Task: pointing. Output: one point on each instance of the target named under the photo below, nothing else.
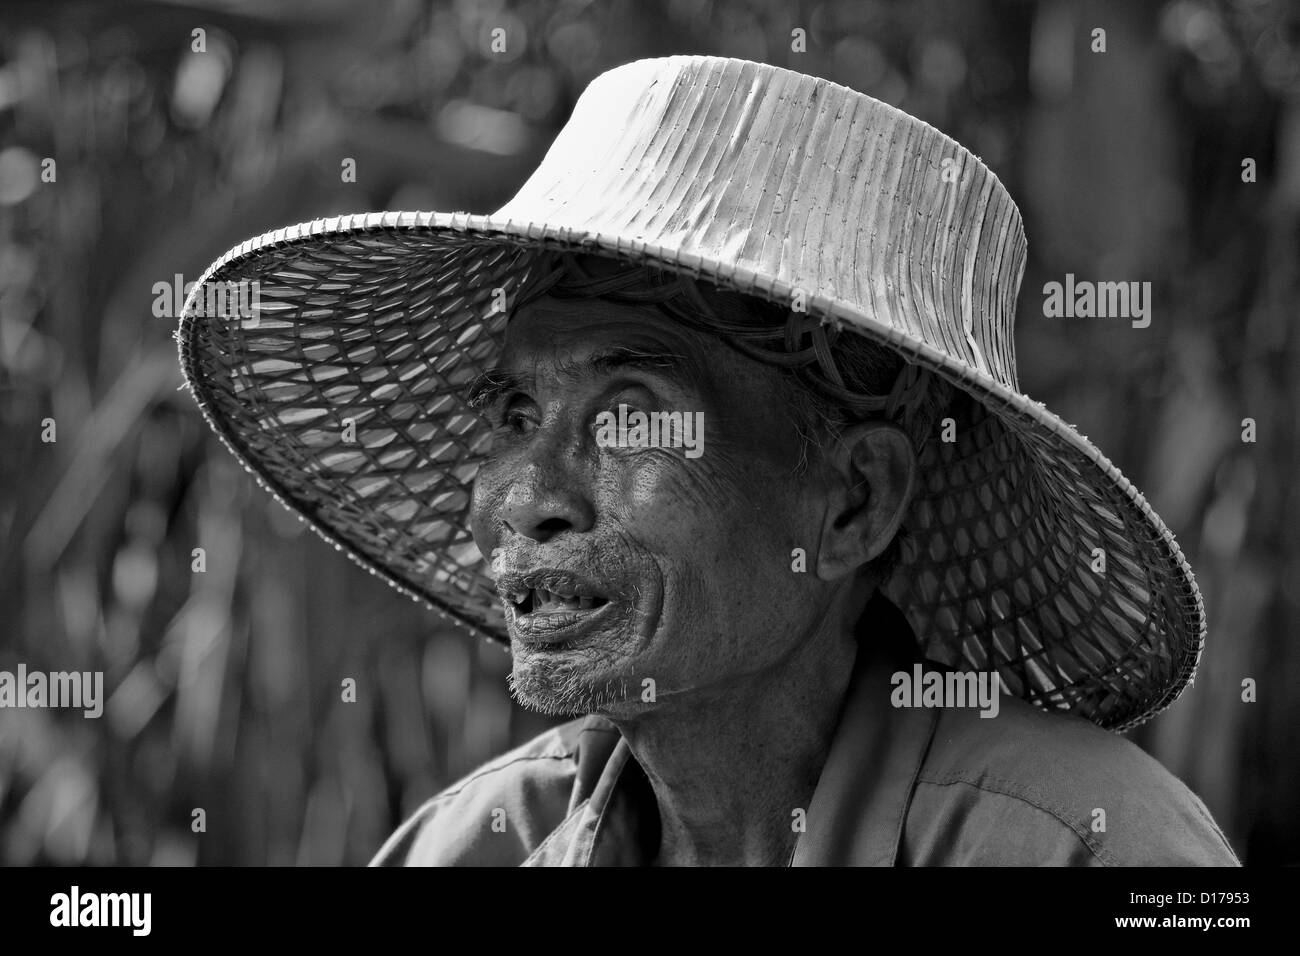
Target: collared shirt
(938, 786)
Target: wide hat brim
(345, 395)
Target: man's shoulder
(498, 813)
(1029, 786)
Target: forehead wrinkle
(656, 343)
(682, 366)
(665, 363)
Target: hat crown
(817, 189)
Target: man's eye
(517, 420)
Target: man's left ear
(873, 478)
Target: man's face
(638, 564)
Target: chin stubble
(557, 688)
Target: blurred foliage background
(224, 687)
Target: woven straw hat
(757, 180)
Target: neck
(730, 765)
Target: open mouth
(551, 605)
(544, 601)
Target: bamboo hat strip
(757, 180)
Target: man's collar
(858, 809)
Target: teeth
(543, 599)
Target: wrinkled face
(630, 573)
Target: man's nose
(547, 498)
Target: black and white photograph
(701, 433)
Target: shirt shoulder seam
(1096, 851)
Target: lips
(550, 603)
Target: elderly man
(787, 630)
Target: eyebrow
(488, 387)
